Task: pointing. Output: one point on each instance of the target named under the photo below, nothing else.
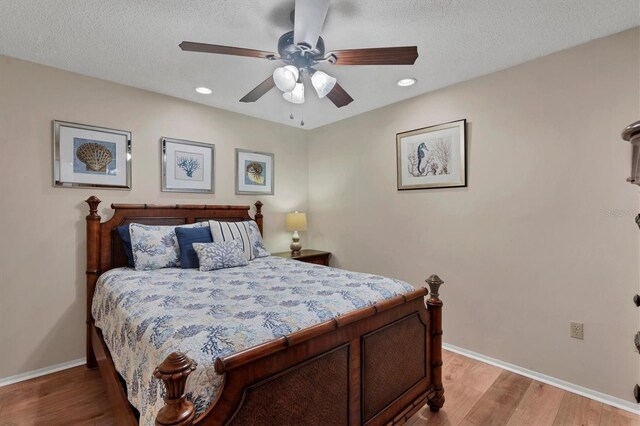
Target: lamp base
(295, 245)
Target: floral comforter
(146, 315)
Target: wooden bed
(375, 365)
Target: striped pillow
(227, 231)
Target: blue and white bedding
(146, 315)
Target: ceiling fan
(301, 50)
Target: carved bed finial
(174, 371)
(258, 216)
(93, 202)
(434, 305)
(434, 282)
(93, 268)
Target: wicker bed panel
(393, 360)
(299, 395)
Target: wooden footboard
(377, 365)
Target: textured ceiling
(135, 42)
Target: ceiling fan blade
(339, 96)
(191, 46)
(405, 55)
(259, 90)
(308, 21)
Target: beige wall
(543, 235)
(42, 284)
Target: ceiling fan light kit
(301, 50)
(286, 77)
(296, 96)
(323, 83)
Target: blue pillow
(186, 238)
(126, 243)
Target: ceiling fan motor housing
(302, 55)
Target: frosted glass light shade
(295, 96)
(296, 221)
(323, 83)
(286, 77)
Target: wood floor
(476, 394)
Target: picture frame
(187, 166)
(432, 157)
(254, 172)
(86, 156)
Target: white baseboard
(553, 381)
(40, 372)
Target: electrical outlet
(577, 330)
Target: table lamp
(296, 222)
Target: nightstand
(309, 256)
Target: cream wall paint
(42, 281)
(544, 233)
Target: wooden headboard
(103, 241)
(104, 247)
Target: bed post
(258, 216)
(93, 268)
(174, 371)
(434, 304)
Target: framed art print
(187, 166)
(254, 172)
(90, 156)
(432, 157)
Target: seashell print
(95, 156)
(255, 173)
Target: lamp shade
(286, 77)
(323, 83)
(296, 96)
(296, 221)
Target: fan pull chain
(302, 115)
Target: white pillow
(156, 247)
(227, 231)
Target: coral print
(219, 255)
(189, 166)
(155, 247)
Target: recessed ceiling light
(407, 82)
(203, 90)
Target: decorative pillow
(219, 255)
(257, 245)
(156, 247)
(123, 231)
(227, 231)
(188, 236)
